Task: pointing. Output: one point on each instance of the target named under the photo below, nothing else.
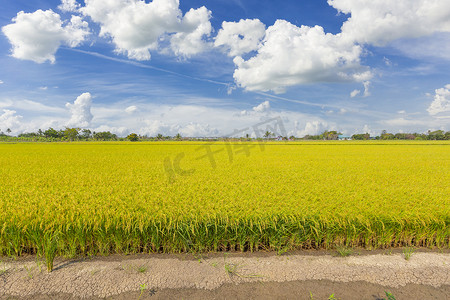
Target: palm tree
(178, 137)
(159, 136)
(267, 134)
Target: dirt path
(423, 276)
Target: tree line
(67, 134)
(430, 135)
(78, 134)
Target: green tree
(436, 135)
(105, 136)
(52, 133)
(268, 134)
(85, 134)
(364, 136)
(133, 137)
(71, 133)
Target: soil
(426, 275)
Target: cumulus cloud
(37, 36)
(121, 131)
(1, 82)
(441, 102)
(380, 22)
(190, 129)
(81, 111)
(291, 55)
(241, 37)
(194, 27)
(313, 128)
(69, 6)
(9, 119)
(136, 27)
(355, 93)
(196, 130)
(265, 106)
(131, 109)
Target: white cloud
(37, 36)
(313, 128)
(265, 106)
(69, 6)
(366, 129)
(380, 22)
(240, 37)
(81, 111)
(131, 109)
(121, 131)
(196, 129)
(136, 27)
(366, 88)
(194, 27)
(441, 102)
(9, 119)
(43, 88)
(189, 129)
(343, 111)
(291, 55)
(355, 93)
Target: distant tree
(8, 131)
(133, 137)
(105, 136)
(364, 136)
(52, 133)
(178, 137)
(329, 135)
(436, 135)
(71, 133)
(386, 136)
(85, 134)
(28, 135)
(447, 135)
(268, 134)
(159, 137)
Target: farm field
(100, 198)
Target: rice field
(100, 198)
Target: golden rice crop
(100, 198)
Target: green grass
(408, 252)
(100, 198)
(344, 251)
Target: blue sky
(167, 66)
